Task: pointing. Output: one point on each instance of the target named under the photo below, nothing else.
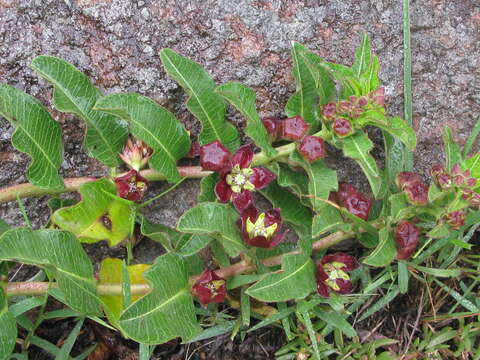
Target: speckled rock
(116, 43)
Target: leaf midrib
(80, 111)
(194, 94)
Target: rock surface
(116, 43)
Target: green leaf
(194, 244)
(167, 311)
(322, 180)
(243, 98)
(313, 84)
(153, 124)
(473, 164)
(296, 281)
(438, 272)
(369, 79)
(111, 273)
(63, 256)
(36, 134)
(403, 276)
(452, 150)
(204, 103)
(385, 252)
(381, 304)
(67, 346)
(394, 157)
(160, 233)
(329, 219)
(363, 56)
(337, 321)
(358, 147)
(8, 328)
(471, 138)
(287, 177)
(207, 188)
(218, 220)
(74, 93)
(99, 216)
(293, 211)
(398, 128)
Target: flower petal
(273, 217)
(243, 156)
(350, 262)
(131, 186)
(242, 200)
(323, 290)
(261, 177)
(259, 241)
(223, 191)
(214, 156)
(345, 286)
(250, 212)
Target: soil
(116, 43)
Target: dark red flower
(273, 126)
(456, 219)
(353, 200)
(293, 128)
(332, 273)
(210, 288)
(329, 110)
(214, 156)
(261, 230)
(131, 186)
(406, 236)
(342, 127)
(417, 193)
(407, 178)
(237, 178)
(312, 148)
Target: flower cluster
(311, 147)
(332, 273)
(353, 200)
(237, 178)
(412, 185)
(456, 180)
(406, 236)
(341, 115)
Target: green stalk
(407, 77)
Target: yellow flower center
(258, 228)
(334, 272)
(214, 286)
(239, 179)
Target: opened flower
(332, 274)
(237, 178)
(210, 288)
(261, 229)
(131, 186)
(353, 200)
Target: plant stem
(407, 78)
(38, 288)
(20, 191)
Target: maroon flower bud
(214, 156)
(406, 236)
(353, 200)
(294, 128)
(332, 274)
(417, 193)
(342, 127)
(273, 126)
(312, 148)
(471, 182)
(436, 170)
(131, 186)
(194, 150)
(475, 200)
(344, 106)
(362, 101)
(261, 230)
(407, 178)
(136, 153)
(456, 219)
(210, 288)
(329, 110)
(378, 96)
